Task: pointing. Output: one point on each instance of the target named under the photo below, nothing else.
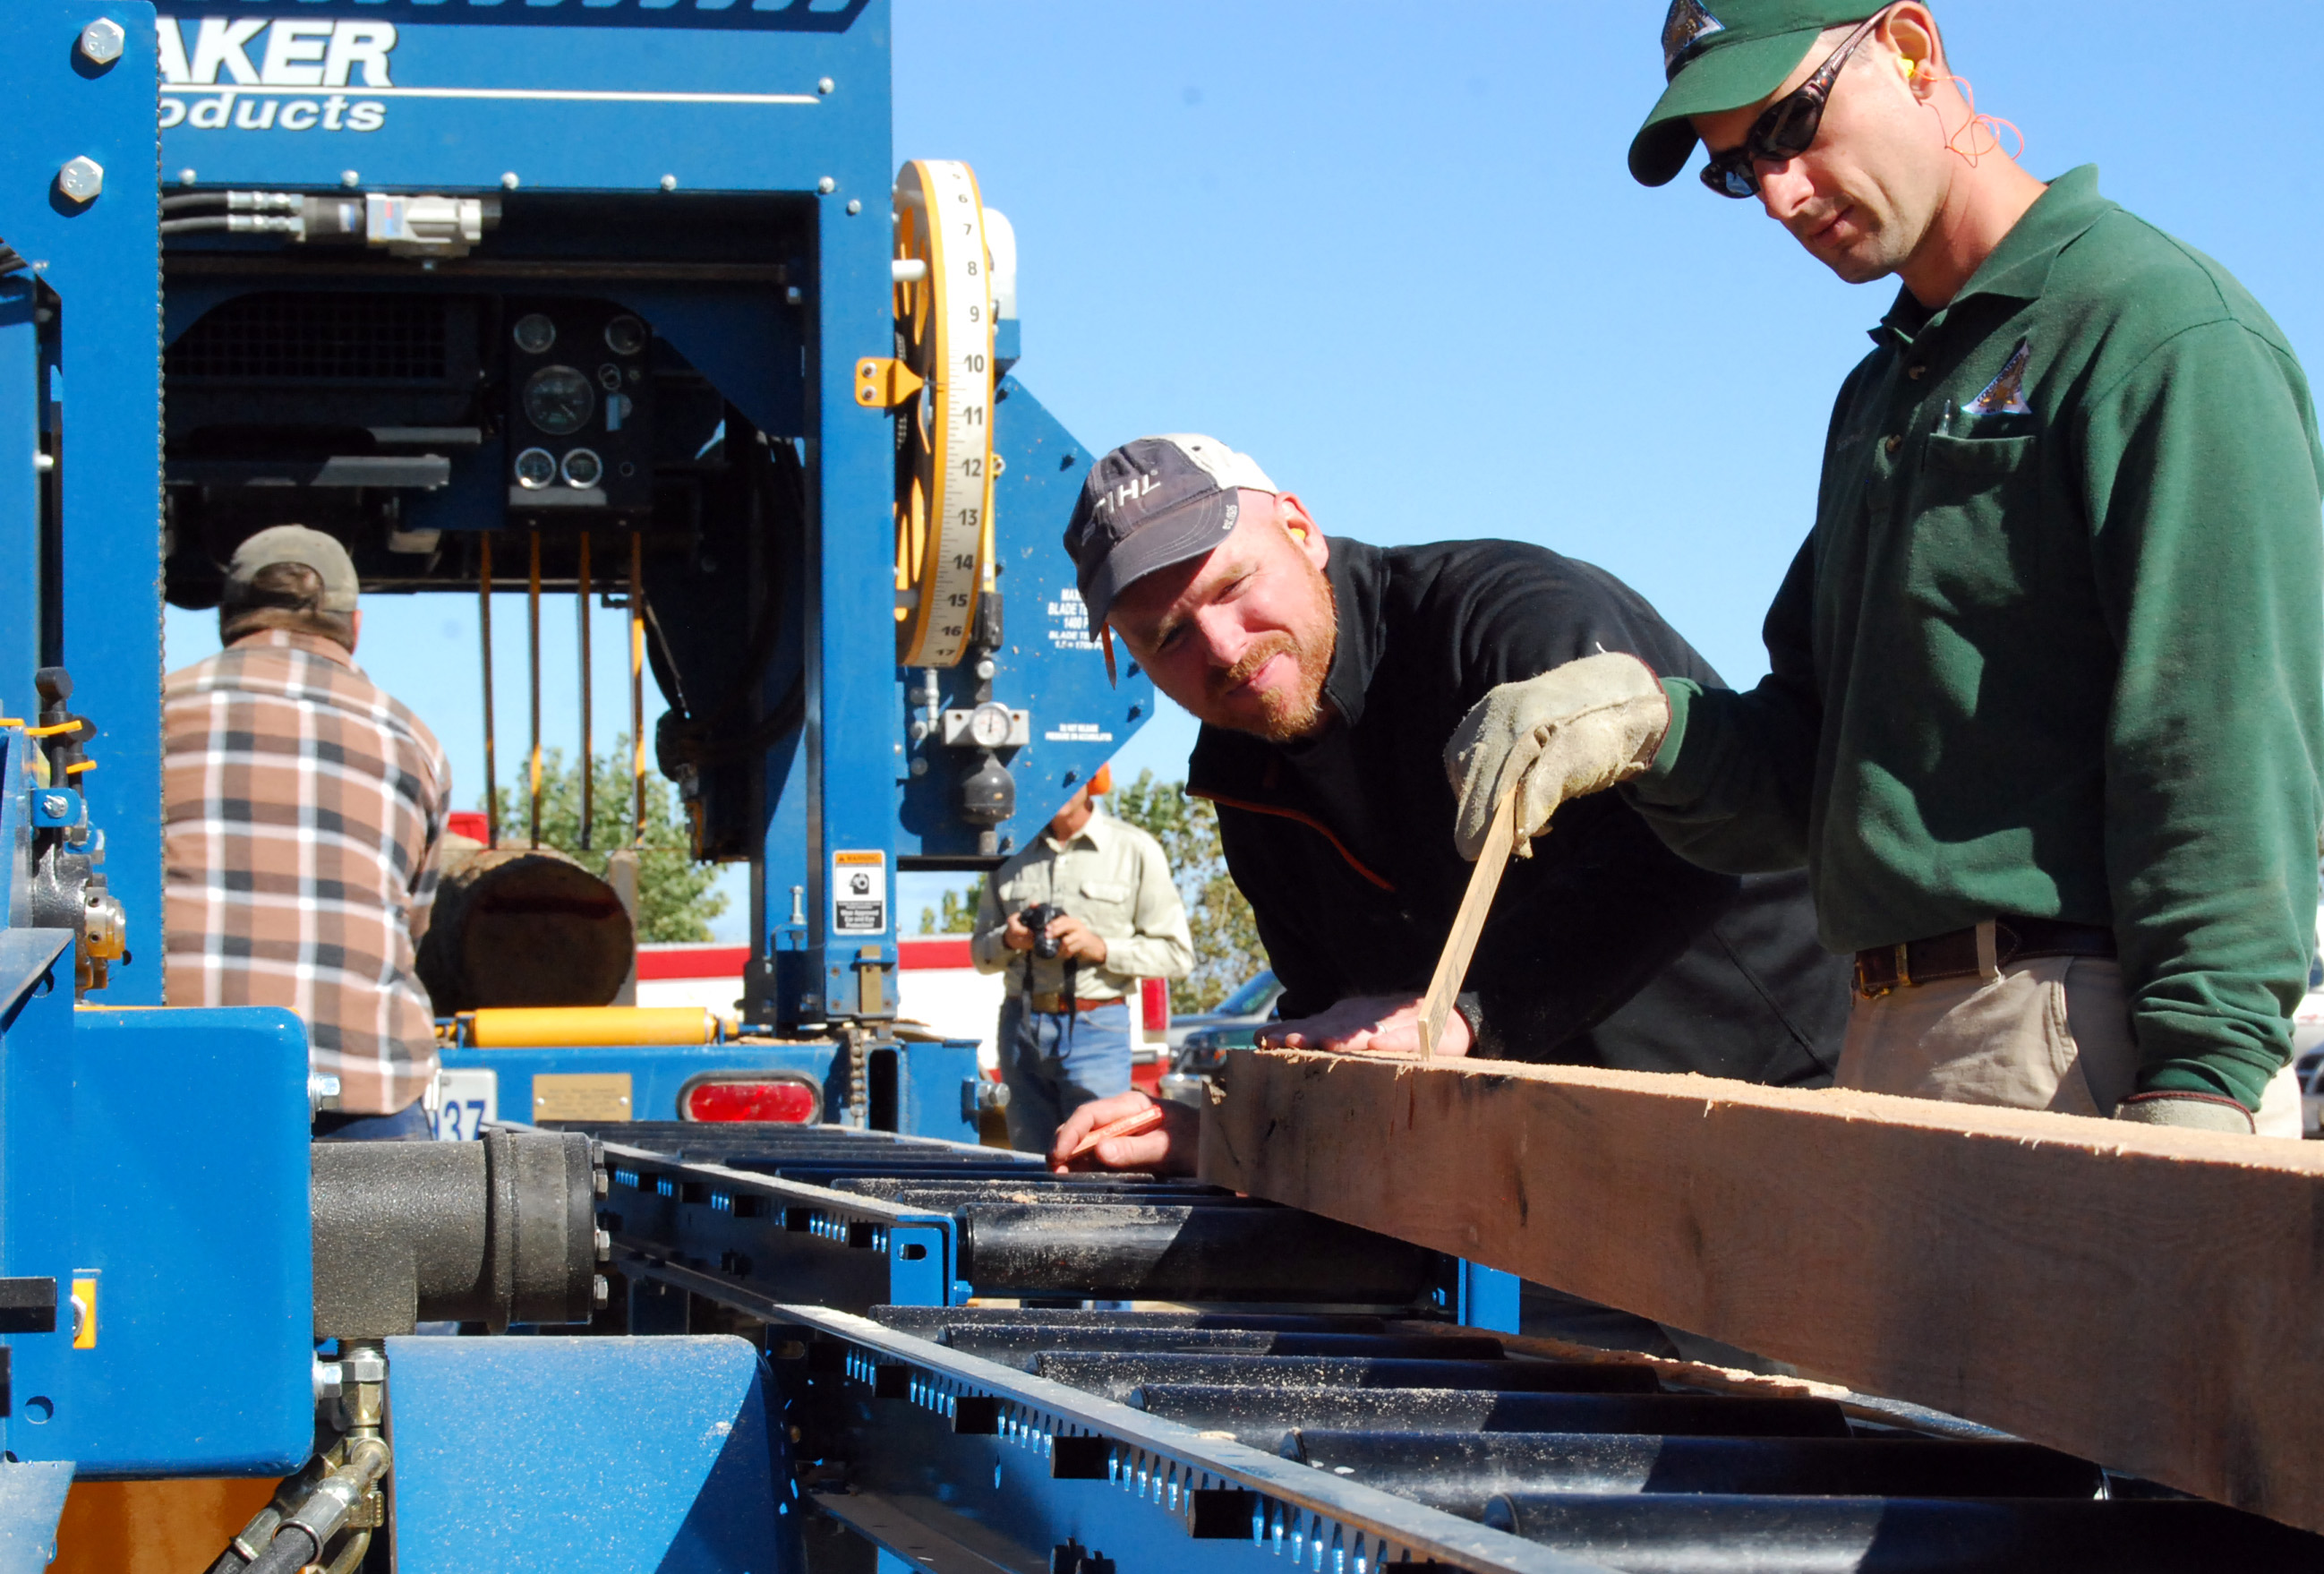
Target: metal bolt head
(792, 295)
(101, 41)
(824, 85)
(349, 178)
(329, 1380)
(509, 181)
(600, 1293)
(605, 1243)
(185, 177)
(82, 179)
(361, 1364)
(826, 185)
(55, 804)
(669, 182)
(854, 205)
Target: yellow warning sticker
(859, 892)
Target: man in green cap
(2046, 703)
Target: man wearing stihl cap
(1329, 675)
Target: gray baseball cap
(295, 543)
(1151, 504)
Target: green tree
(1227, 949)
(957, 914)
(675, 898)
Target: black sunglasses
(1787, 128)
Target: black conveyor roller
(1891, 1535)
(1260, 1416)
(1234, 1251)
(1019, 1346)
(1461, 1471)
(1299, 1377)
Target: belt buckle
(1873, 992)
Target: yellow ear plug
(1907, 66)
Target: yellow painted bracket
(84, 1305)
(883, 381)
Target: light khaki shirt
(1113, 877)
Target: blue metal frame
(97, 268)
(690, 96)
(929, 1078)
(589, 1453)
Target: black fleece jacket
(1605, 947)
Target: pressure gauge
(625, 336)
(988, 724)
(584, 468)
(535, 333)
(535, 469)
(559, 401)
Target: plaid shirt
(304, 808)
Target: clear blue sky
(1391, 251)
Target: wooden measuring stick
(1129, 1126)
(1468, 922)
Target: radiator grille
(365, 338)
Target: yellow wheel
(944, 433)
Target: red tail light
(791, 1100)
(1155, 997)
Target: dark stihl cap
(1153, 503)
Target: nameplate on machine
(581, 1095)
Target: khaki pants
(2049, 1034)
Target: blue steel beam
(851, 718)
(101, 259)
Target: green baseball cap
(1719, 55)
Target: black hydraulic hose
(187, 200)
(291, 1549)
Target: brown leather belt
(1954, 955)
(1055, 1005)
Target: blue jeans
(407, 1124)
(1056, 1063)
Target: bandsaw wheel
(943, 438)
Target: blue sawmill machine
(629, 299)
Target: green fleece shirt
(2055, 647)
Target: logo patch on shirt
(2006, 394)
(1687, 25)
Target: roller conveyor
(1354, 1436)
(856, 1219)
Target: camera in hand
(1036, 918)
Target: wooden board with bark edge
(2150, 1298)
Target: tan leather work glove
(1576, 729)
(2191, 1111)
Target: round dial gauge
(609, 377)
(583, 468)
(625, 336)
(535, 333)
(559, 401)
(988, 724)
(535, 469)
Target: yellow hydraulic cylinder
(546, 1027)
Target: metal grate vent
(367, 338)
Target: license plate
(465, 1098)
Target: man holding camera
(1073, 922)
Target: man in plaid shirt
(304, 809)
